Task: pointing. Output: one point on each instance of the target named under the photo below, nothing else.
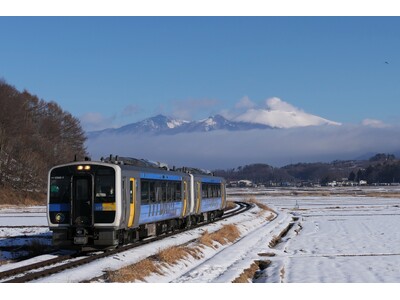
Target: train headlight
(81, 168)
(59, 217)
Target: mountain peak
(278, 114)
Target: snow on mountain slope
(280, 114)
(161, 124)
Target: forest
(379, 169)
(34, 136)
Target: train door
(185, 198)
(191, 205)
(82, 204)
(132, 201)
(198, 196)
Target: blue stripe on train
(211, 180)
(60, 207)
(160, 176)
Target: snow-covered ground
(334, 239)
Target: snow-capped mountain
(277, 114)
(155, 124)
(161, 124)
(218, 122)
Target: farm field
(337, 239)
(329, 236)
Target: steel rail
(242, 207)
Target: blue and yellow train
(100, 205)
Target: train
(103, 204)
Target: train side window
(144, 187)
(164, 187)
(152, 192)
(158, 192)
(172, 192)
(204, 190)
(178, 191)
(215, 191)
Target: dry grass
(136, 272)
(9, 196)
(251, 272)
(270, 217)
(230, 205)
(260, 205)
(227, 234)
(276, 239)
(153, 264)
(268, 254)
(3, 262)
(264, 208)
(172, 255)
(282, 273)
(383, 194)
(206, 239)
(247, 274)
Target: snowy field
(341, 237)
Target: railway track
(64, 262)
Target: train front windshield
(81, 195)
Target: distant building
(245, 183)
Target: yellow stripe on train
(108, 206)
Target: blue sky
(110, 71)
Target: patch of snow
(334, 239)
(176, 123)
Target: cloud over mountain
(280, 114)
(228, 149)
(277, 134)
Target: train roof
(143, 164)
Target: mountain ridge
(276, 114)
(161, 124)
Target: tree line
(381, 168)
(34, 136)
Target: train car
(99, 205)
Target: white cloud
(281, 114)
(245, 102)
(374, 123)
(277, 147)
(277, 104)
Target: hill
(378, 169)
